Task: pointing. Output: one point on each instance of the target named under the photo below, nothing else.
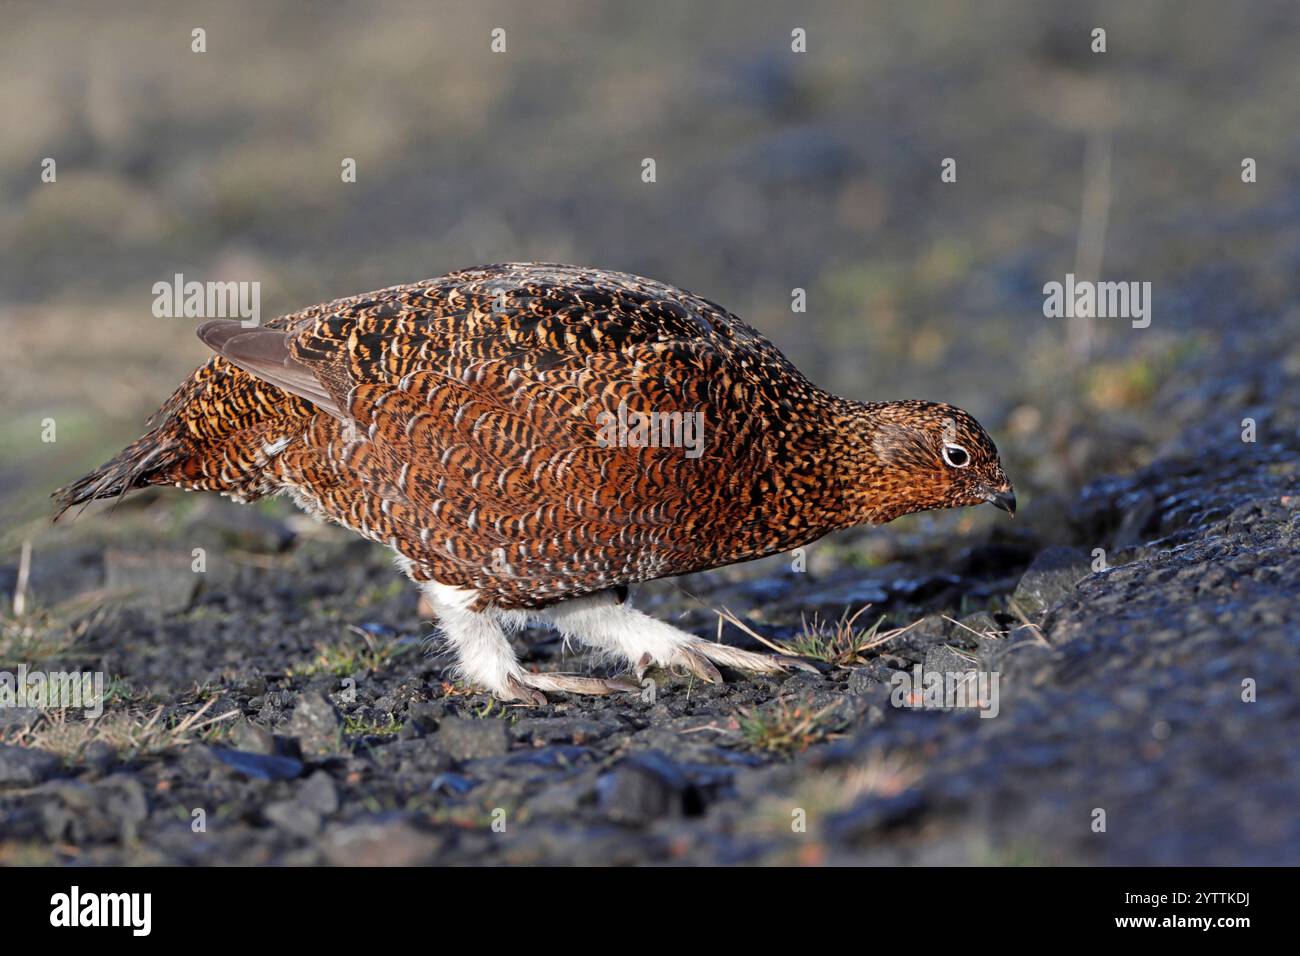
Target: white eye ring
(951, 450)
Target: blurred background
(775, 170)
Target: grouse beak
(1006, 500)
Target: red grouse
(529, 439)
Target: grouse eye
(955, 455)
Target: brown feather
(459, 421)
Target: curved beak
(1006, 500)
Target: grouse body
(530, 438)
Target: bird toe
(571, 684)
(751, 661)
(517, 690)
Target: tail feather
(142, 463)
(211, 435)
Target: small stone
(386, 843)
(1050, 579)
(110, 810)
(252, 738)
(645, 787)
(319, 793)
(293, 817)
(122, 800)
(316, 724)
(869, 679)
(467, 739)
(99, 757)
(25, 766)
(944, 660)
(983, 624)
(564, 799)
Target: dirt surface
(1121, 690)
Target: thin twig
(24, 574)
(730, 618)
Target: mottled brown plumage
(460, 421)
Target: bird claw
(689, 659)
(644, 664)
(523, 693)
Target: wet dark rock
(258, 766)
(868, 816)
(558, 756)
(465, 738)
(644, 787)
(1051, 578)
(26, 766)
(451, 783)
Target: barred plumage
(464, 422)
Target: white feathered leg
(618, 629)
(485, 658)
(476, 639)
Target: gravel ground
(1144, 713)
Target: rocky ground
(286, 706)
